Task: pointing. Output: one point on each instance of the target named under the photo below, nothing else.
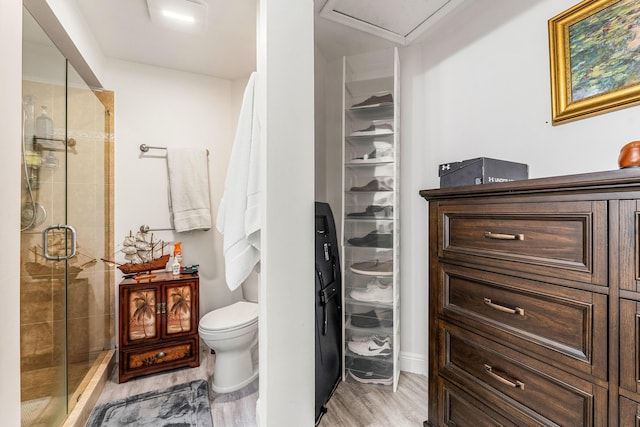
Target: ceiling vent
(400, 21)
(189, 16)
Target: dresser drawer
(629, 413)
(629, 253)
(553, 323)
(566, 240)
(461, 410)
(503, 376)
(143, 360)
(629, 346)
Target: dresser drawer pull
(500, 236)
(514, 384)
(516, 310)
(160, 355)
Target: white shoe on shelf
(370, 348)
(380, 339)
(376, 291)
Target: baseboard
(413, 362)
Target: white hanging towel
(239, 213)
(189, 202)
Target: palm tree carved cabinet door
(158, 324)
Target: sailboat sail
(140, 252)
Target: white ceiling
(124, 30)
(401, 22)
(227, 49)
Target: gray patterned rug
(183, 405)
(234, 396)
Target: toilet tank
(251, 287)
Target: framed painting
(595, 58)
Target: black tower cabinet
(328, 290)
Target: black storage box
(482, 170)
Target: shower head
(32, 215)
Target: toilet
(232, 332)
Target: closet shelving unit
(370, 219)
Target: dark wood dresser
(158, 324)
(534, 302)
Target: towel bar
(145, 229)
(144, 148)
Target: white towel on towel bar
(239, 212)
(189, 202)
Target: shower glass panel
(43, 333)
(66, 297)
(89, 281)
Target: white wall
(490, 96)
(168, 108)
(10, 134)
(285, 69)
(333, 135)
(320, 153)
(413, 219)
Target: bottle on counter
(176, 267)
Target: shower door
(43, 330)
(66, 293)
(90, 297)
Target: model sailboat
(141, 253)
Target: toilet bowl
(232, 333)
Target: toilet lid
(233, 316)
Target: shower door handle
(45, 242)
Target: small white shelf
(368, 165)
(363, 88)
(384, 111)
(368, 139)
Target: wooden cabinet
(158, 324)
(534, 302)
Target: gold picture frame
(593, 49)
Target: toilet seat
(230, 318)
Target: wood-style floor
(352, 405)
(365, 405)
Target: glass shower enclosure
(66, 291)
